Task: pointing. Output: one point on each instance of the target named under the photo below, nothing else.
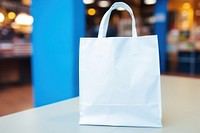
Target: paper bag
(119, 78)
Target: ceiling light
(150, 2)
(24, 19)
(91, 11)
(11, 15)
(1, 17)
(88, 1)
(120, 9)
(103, 3)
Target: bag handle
(104, 22)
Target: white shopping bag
(120, 78)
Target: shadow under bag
(120, 78)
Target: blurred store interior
(180, 48)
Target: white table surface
(181, 114)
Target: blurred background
(178, 26)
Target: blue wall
(57, 27)
(161, 30)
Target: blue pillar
(161, 30)
(57, 27)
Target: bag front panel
(113, 76)
(108, 67)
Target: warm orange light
(91, 11)
(186, 16)
(11, 15)
(197, 12)
(1, 17)
(186, 6)
(26, 2)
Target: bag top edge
(118, 37)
